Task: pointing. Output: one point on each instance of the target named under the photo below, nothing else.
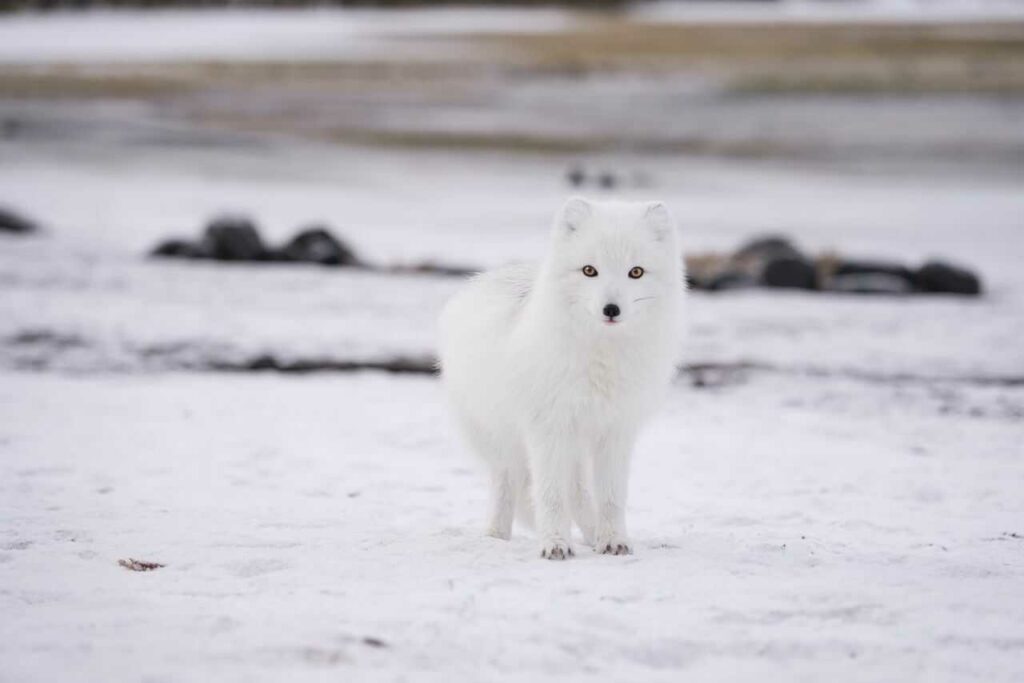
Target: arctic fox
(550, 370)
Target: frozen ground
(248, 34)
(854, 515)
(847, 507)
(787, 529)
(81, 297)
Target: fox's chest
(604, 377)
(583, 380)
(598, 379)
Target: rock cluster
(236, 238)
(774, 261)
(13, 222)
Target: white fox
(551, 370)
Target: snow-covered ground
(844, 503)
(85, 298)
(249, 34)
(786, 530)
(855, 514)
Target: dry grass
(749, 56)
(610, 43)
(974, 57)
(138, 565)
(312, 98)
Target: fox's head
(615, 264)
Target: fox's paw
(615, 545)
(556, 550)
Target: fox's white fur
(547, 389)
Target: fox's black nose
(611, 310)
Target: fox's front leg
(581, 500)
(611, 484)
(550, 470)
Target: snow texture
(823, 520)
(785, 529)
(847, 508)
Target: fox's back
(477, 324)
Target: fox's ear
(573, 215)
(659, 220)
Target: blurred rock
(941, 277)
(765, 249)
(845, 267)
(789, 272)
(576, 176)
(870, 283)
(431, 268)
(702, 268)
(233, 238)
(731, 280)
(607, 180)
(16, 223)
(10, 127)
(317, 245)
(836, 274)
(774, 261)
(179, 248)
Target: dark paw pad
(616, 549)
(557, 552)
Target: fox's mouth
(611, 321)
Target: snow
(86, 280)
(333, 34)
(785, 529)
(314, 34)
(854, 513)
(845, 505)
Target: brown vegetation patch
(138, 565)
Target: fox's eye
(636, 272)
(590, 271)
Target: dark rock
(15, 223)
(576, 176)
(768, 248)
(180, 249)
(430, 268)
(773, 261)
(940, 277)
(607, 180)
(318, 245)
(797, 273)
(9, 128)
(869, 267)
(731, 280)
(232, 238)
(702, 268)
(870, 283)
(865, 277)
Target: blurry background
(837, 476)
(891, 131)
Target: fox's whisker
(644, 298)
